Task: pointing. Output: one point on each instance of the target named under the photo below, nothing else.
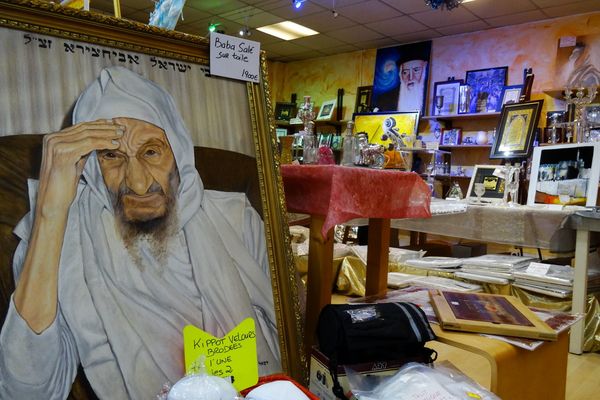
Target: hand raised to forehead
(64, 156)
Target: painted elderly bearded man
(122, 249)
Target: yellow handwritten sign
(233, 355)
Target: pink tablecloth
(344, 193)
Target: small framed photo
(284, 111)
(326, 110)
(363, 99)
(511, 94)
(336, 142)
(281, 132)
(493, 184)
(451, 136)
(445, 97)
(486, 89)
(565, 174)
(516, 130)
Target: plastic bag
(418, 381)
(200, 386)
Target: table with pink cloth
(334, 194)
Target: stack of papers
(552, 280)
(399, 280)
(435, 262)
(493, 268)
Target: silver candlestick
(580, 100)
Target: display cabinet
(464, 155)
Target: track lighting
(298, 3)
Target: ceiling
(360, 24)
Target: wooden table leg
(377, 256)
(320, 277)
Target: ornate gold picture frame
(46, 24)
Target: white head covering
(141, 312)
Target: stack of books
(552, 280)
(493, 268)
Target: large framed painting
(401, 76)
(61, 66)
(385, 128)
(486, 88)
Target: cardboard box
(321, 383)
(469, 249)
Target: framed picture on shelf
(511, 94)
(486, 89)
(493, 184)
(281, 132)
(363, 99)
(284, 111)
(336, 142)
(445, 97)
(451, 136)
(326, 110)
(565, 174)
(516, 129)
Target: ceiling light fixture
(298, 3)
(287, 30)
(212, 27)
(447, 4)
(245, 32)
(335, 13)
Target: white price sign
(234, 57)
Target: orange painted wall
(527, 45)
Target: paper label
(538, 269)
(233, 355)
(567, 41)
(233, 57)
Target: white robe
(124, 324)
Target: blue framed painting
(401, 76)
(486, 89)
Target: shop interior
(488, 174)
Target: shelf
(465, 146)
(463, 116)
(422, 150)
(321, 122)
(446, 176)
(559, 94)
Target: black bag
(356, 333)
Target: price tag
(233, 355)
(538, 269)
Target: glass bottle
(310, 146)
(348, 145)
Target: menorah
(580, 100)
